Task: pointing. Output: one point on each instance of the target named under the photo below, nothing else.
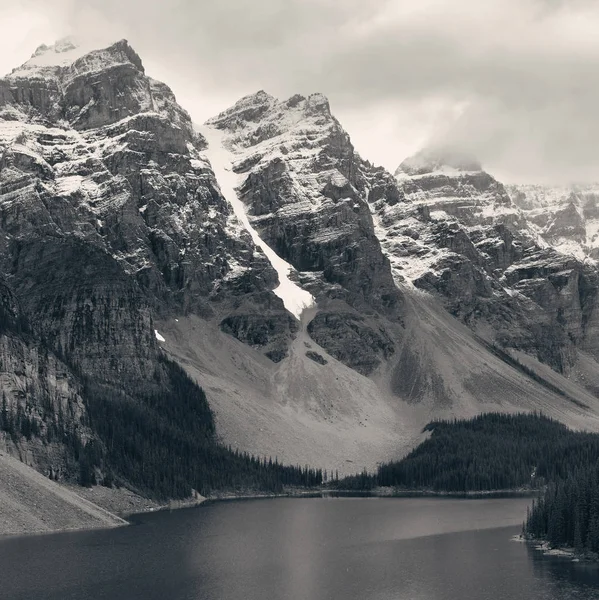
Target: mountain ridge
(116, 224)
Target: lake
(300, 549)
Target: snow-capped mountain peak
(70, 57)
(66, 51)
(47, 54)
(118, 220)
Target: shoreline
(384, 492)
(128, 508)
(546, 549)
(333, 493)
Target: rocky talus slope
(328, 308)
(32, 503)
(110, 216)
(458, 234)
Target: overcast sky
(515, 82)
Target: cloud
(513, 81)
(21, 29)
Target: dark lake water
(300, 549)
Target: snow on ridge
(293, 296)
(570, 248)
(69, 184)
(62, 54)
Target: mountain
(304, 189)
(459, 235)
(565, 217)
(332, 216)
(327, 308)
(110, 218)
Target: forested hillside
(500, 452)
(489, 452)
(568, 513)
(162, 444)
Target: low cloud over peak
(512, 82)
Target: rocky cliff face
(41, 397)
(305, 190)
(105, 158)
(458, 234)
(110, 216)
(567, 218)
(296, 281)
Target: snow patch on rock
(64, 52)
(46, 61)
(293, 296)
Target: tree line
(164, 444)
(160, 443)
(567, 514)
(489, 452)
(494, 452)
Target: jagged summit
(250, 108)
(260, 106)
(61, 47)
(305, 190)
(118, 221)
(442, 160)
(66, 50)
(87, 87)
(63, 54)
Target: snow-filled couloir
(293, 296)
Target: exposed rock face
(89, 310)
(567, 218)
(306, 192)
(317, 358)
(110, 214)
(258, 331)
(112, 218)
(41, 397)
(458, 234)
(131, 182)
(351, 340)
